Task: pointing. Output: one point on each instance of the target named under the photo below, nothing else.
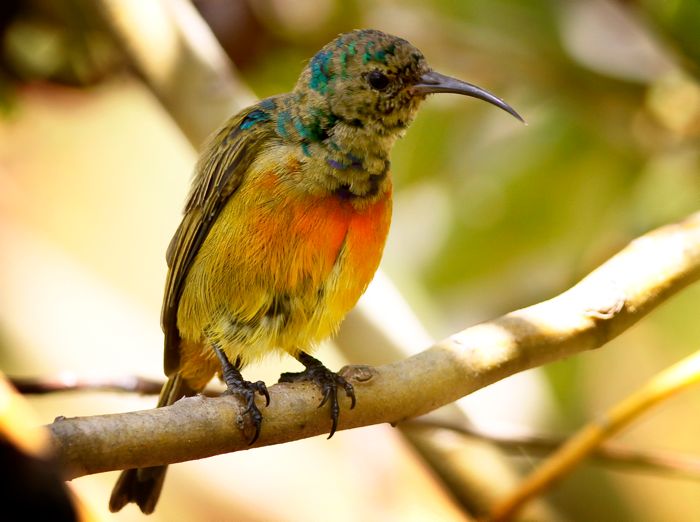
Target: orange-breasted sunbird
(285, 225)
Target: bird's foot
(327, 380)
(247, 390)
(236, 385)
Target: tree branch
(603, 305)
(679, 465)
(662, 386)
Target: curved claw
(335, 413)
(327, 392)
(250, 403)
(261, 388)
(350, 392)
(258, 426)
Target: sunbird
(285, 224)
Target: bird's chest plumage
(281, 266)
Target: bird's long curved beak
(432, 82)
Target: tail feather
(142, 486)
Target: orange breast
(323, 250)
(364, 244)
(304, 236)
(275, 242)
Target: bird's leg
(235, 385)
(327, 380)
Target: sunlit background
(490, 216)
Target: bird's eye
(378, 80)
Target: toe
(350, 392)
(262, 390)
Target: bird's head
(375, 81)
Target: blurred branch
(382, 328)
(661, 387)
(70, 382)
(177, 54)
(603, 305)
(652, 461)
(64, 383)
(461, 466)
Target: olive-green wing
(218, 175)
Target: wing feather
(218, 174)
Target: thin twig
(651, 461)
(661, 387)
(71, 383)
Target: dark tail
(142, 486)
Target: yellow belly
(278, 270)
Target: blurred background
(489, 216)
